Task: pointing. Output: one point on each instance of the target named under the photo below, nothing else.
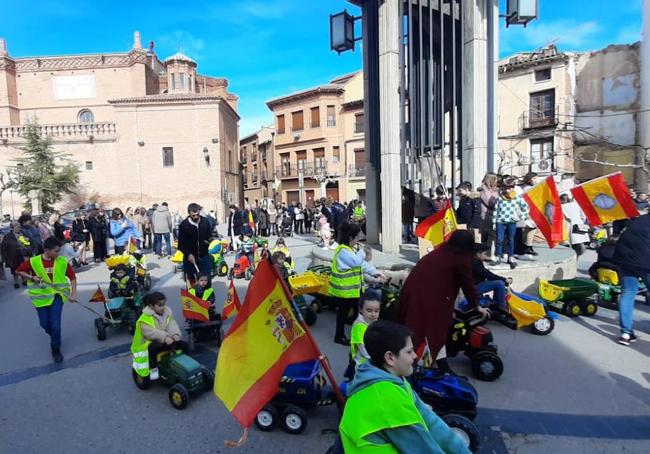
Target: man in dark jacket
(193, 240)
(632, 255)
(235, 222)
(469, 207)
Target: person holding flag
(430, 290)
(193, 241)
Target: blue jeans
(50, 320)
(157, 243)
(502, 230)
(497, 287)
(630, 284)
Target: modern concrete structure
(319, 148)
(141, 130)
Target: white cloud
(563, 32)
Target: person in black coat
(80, 235)
(632, 255)
(193, 240)
(235, 222)
(98, 226)
(469, 208)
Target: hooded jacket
(164, 326)
(633, 248)
(161, 220)
(435, 438)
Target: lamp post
(342, 32)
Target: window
(286, 164)
(168, 157)
(319, 159)
(181, 80)
(301, 157)
(85, 116)
(280, 126)
(173, 82)
(254, 174)
(297, 121)
(89, 165)
(543, 74)
(541, 155)
(315, 117)
(359, 123)
(331, 116)
(336, 154)
(542, 108)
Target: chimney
(137, 44)
(151, 46)
(3, 48)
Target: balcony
(534, 119)
(357, 170)
(75, 132)
(292, 171)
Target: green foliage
(45, 170)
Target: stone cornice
(7, 63)
(323, 89)
(77, 62)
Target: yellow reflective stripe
(344, 287)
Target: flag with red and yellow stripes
(194, 308)
(438, 227)
(546, 211)
(232, 304)
(605, 199)
(98, 296)
(263, 340)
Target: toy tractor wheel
(487, 366)
(543, 326)
(589, 308)
(317, 306)
(100, 329)
(140, 381)
(178, 396)
(248, 274)
(294, 420)
(310, 316)
(465, 429)
(208, 378)
(231, 274)
(147, 282)
(223, 269)
(572, 309)
(267, 418)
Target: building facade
(319, 141)
(140, 129)
(257, 170)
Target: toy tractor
(182, 373)
(119, 311)
(572, 296)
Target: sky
(268, 48)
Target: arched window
(86, 116)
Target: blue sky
(267, 48)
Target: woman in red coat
(429, 293)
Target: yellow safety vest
(121, 283)
(356, 340)
(347, 283)
(207, 293)
(140, 345)
(42, 295)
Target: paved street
(575, 390)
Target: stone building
(256, 158)
(141, 130)
(319, 142)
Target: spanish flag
(424, 354)
(251, 221)
(194, 308)
(546, 211)
(605, 199)
(438, 227)
(232, 305)
(98, 296)
(133, 245)
(263, 340)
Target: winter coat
(59, 231)
(633, 247)
(161, 220)
(262, 219)
(573, 213)
(163, 328)
(98, 229)
(488, 200)
(469, 211)
(194, 239)
(272, 212)
(511, 210)
(80, 232)
(435, 438)
(12, 252)
(339, 214)
(429, 294)
(235, 222)
(34, 237)
(121, 233)
(140, 221)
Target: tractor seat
(607, 276)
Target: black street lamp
(521, 12)
(342, 32)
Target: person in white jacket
(579, 231)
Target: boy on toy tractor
(200, 330)
(123, 283)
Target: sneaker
(153, 374)
(496, 261)
(532, 251)
(56, 354)
(513, 263)
(632, 338)
(625, 339)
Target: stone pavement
(575, 390)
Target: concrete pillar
(475, 94)
(389, 80)
(644, 116)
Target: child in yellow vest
(369, 307)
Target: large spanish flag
(438, 227)
(263, 340)
(546, 211)
(605, 199)
(194, 308)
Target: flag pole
(322, 358)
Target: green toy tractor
(182, 373)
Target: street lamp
(342, 32)
(521, 12)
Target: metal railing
(534, 119)
(293, 170)
(357, 170)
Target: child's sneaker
(153, 374)
(625, 339)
